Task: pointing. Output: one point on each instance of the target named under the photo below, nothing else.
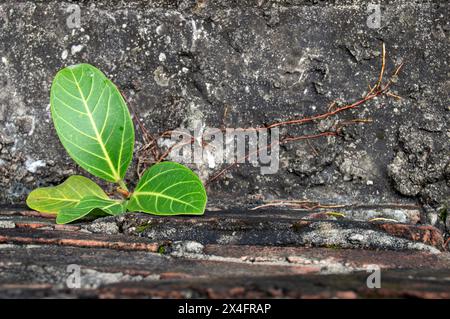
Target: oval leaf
(92, 121)
(68, 194)
(93, 206)
(169, 188)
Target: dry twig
(298, 204)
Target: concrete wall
(179, 62)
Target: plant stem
(122, 185)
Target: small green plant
(94, 125)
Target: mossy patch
(142, 228)
(161, 249)
(443, 213)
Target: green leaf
(67, 194)
(92, 121)
(93, 206)
(169, 188)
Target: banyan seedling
(94, 125)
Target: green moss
(143, 227)
(443, 213)
(161, 249)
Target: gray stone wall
(243, 64)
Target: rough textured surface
(179, 62)
(36, 256)
(239, 64)
(228, 228)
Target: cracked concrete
(246, 64)
(38, 257)
(178, 63)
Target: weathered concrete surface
(35, 255)
(231, 228)
(255, 230)
(262, 61)
(239, 64)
